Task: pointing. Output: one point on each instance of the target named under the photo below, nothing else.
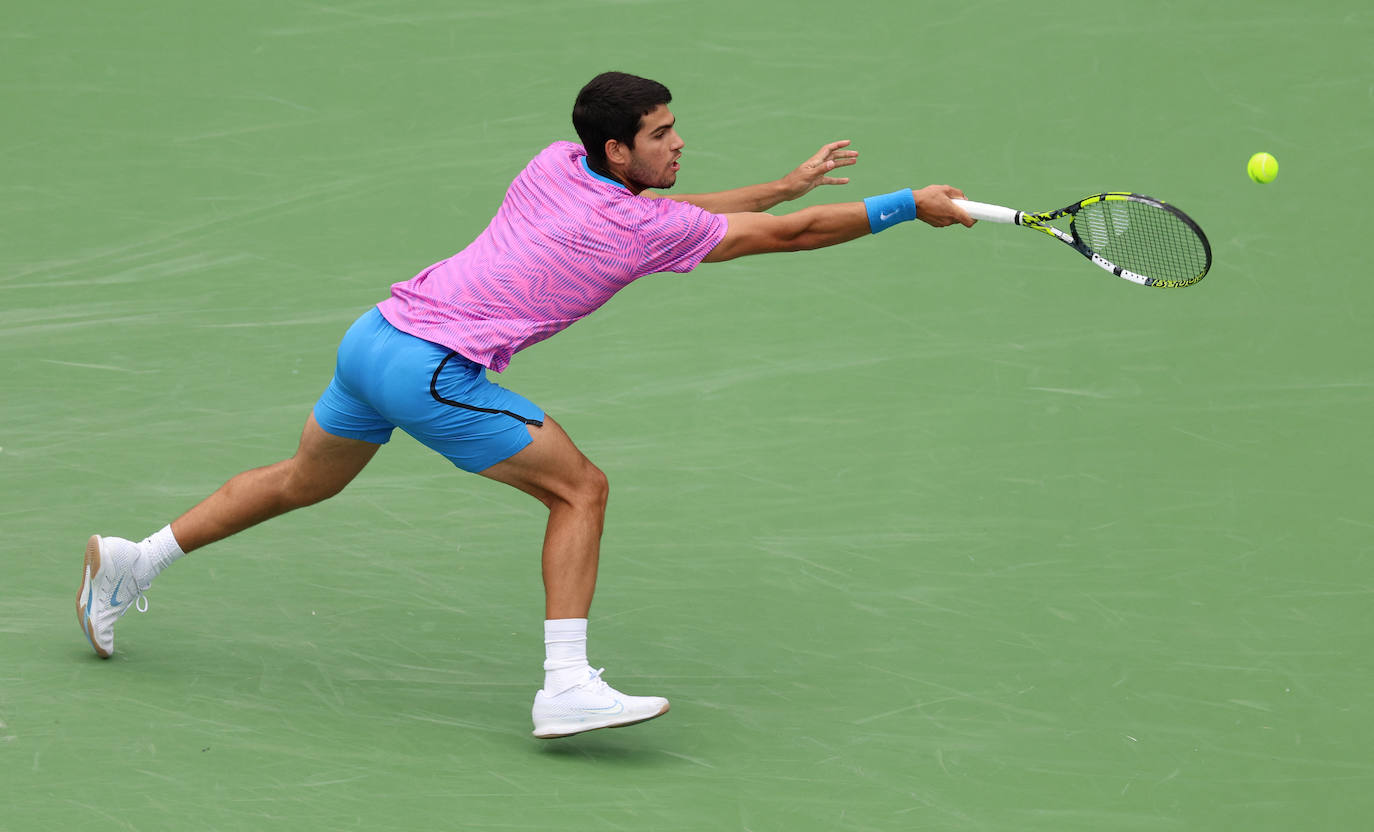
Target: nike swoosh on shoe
(608, 710)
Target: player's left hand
(816, 170)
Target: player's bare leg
(322, 465)
(554, 471)
(117, 571)
(574, 698)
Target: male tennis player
(577, 225)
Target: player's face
(654, 159)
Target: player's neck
(611, 172)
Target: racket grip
(990, 213)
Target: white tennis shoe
(108, 589)
(591, 705)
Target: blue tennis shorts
(387, 379)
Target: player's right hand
(933, 206)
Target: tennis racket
(1135, 237)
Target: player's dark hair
(612, 106)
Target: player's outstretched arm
(827, 225)
(810, 174)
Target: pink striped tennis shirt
(563, 242)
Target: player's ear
(617, 152)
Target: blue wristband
(889, 209)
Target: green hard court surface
(941, 530)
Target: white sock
(159, 550)
(565, 654)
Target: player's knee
(599, 485)
(591, 490)
(302, 488)
(319, 492)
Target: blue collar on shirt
(607, 179)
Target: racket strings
(1147, 239)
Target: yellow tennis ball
(1262, 168)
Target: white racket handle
(990, 213)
